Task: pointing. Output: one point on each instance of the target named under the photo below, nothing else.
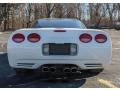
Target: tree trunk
(5, 17)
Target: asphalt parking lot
(109, 78)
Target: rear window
(59, 24)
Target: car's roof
(58, 22)
(57, 19)
(62, 20)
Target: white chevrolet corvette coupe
(59, 45)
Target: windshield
(60, 23)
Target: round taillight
(100, 38)
(85, 38)
(34, 37)
(18, 38)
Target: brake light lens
(100, 38)
(34, 37)
(18, 38)
(85, 38)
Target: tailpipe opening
(45, 69)
(66, 70)
(74, 69)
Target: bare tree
(79, 11)
(49, 9)
(118, 11)
(111, 8)
(58, 10)
(24, 15)
(97, 13)
(28, 14)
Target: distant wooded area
(14, 16)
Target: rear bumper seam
(56, 59)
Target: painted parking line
(106, 83)
(1, 33)
(116, 48)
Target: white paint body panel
(88, 53)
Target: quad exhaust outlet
(65, 69)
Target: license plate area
(59, 49)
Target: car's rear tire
(96, 71)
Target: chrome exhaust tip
(45, 69)
(52, 69)
(74, 69)
(67, 70)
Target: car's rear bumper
(82, 64)
(32, 58)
